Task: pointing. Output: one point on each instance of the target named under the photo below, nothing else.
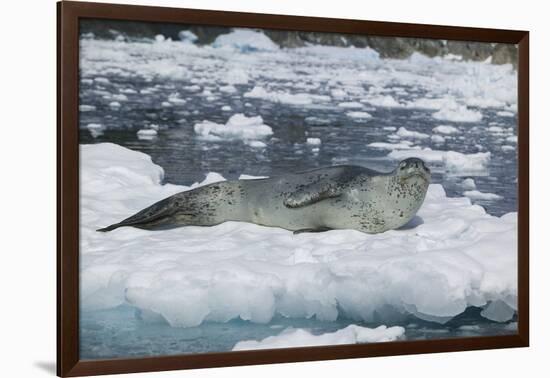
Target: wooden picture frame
(70, 13)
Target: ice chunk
(386, 101)
(477, 195)
(437, 139)
(468, 184)
(404, 145)
(498, 311)
(285, 97)
(238, 126)
(352, 334)
(147, 134)
(351, 105)
(226, 108)
(359, 115)
(96, 129)
(245, 40)
(313, 141)
(256, 144)
(445, 129)
(404, 133)
(505, 113)
(458, 113)
(453, 161)
(86, 108)
(187, 36)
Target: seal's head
(413, 169)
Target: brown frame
(68, 15)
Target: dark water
(186, 158)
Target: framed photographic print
(238, 188)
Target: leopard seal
(337, 197)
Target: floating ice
(114, 104)
(285, 97)
(444, 129)
(313, 141)
(477, 195)
(498, 311)
(187, 36)
(226, 108)
(238, 126)
(404, 133)
(505, 113)
(458, 113)
(245, 40)
(468, 184)
(256, 144)
(96, 129)
(437, 139)
(102, 80)
(228, 89)
(359, 115)
(512, 139)
(403, 145)
(386, 101)
(147, 134)
(352, 334)
(456, 254)
(351, 105)
(86, 108)
(454, 162)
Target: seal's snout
(413, 167)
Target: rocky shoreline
(387, 47)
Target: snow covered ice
(455, 253)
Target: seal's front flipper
(319, 229)
(315, 192)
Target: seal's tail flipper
(151, 217)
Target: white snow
(238, 126)
(456, 254)
(477, 195)
(313, 141)
(352, 334)
(245, 40)
(445, 129)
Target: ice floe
(359, 115)
(245, 40)
(352, 334)
(477, 195)
(238, 126)
(445, 129)
(458, 113)
(285, 97)
(456, 254)
(454, 162)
